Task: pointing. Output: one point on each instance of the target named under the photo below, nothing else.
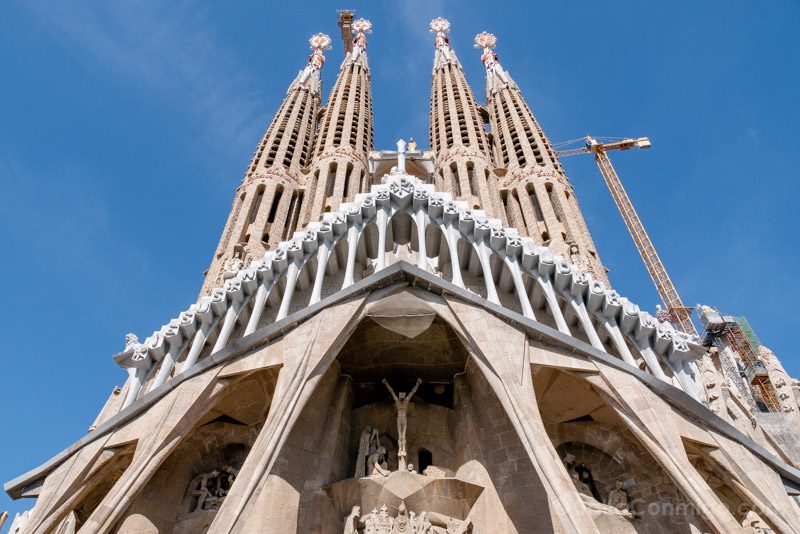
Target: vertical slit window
(276, 200)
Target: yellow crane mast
(678, 314)
(346, 25)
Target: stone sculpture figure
(618, 497)
(370, 522)
(421, 525)
(402, 401)
(585, 475)
(593, 504)
(130, 341)
(384, 522)
(582, 487)
(202, 491)
(376, 464)
(212, 488)
(569, 461)
(351, 522)
(368, 444)
(402, 523)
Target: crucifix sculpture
(401, 402)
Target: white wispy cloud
(168, 50)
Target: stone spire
(266, 209)
(339, 170)
(535, 195)
(457, 134)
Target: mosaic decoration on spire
(496, 77)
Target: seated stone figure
(618, 497)
(593, 504)
(376, 464)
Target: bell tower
(339, 169)
(457, 134)
(267, 205)
(534, 193)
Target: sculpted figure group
(212, 488)
(405, 522)
(617, 502)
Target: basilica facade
(414, 341)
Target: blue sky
(126, 128)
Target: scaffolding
(755, 370)
(749, 370)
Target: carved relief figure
(130, 341)
(779, 378)
(384, 523)
(421, 524)
(370, 522)
(352, 520)
(211, 488)
(617, 501)
(231, 267)
(401, 402)
(712, 382)
(402, 523)
(618, 497)
(368, 444)
(201, 492)
(581, 486)
(376, 463)
(586, 477)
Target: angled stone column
(158, 433)
(307, 353)
(501, 353)
(760, 485)
(65, 487)
(650, 419)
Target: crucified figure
(402, 403)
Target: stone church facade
(420, 341)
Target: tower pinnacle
(444, 54)
(361, 28)
(309, 77)
(496, 77)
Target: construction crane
(676, 312)
(346, 25)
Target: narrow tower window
(276, 200)
(330, 182)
